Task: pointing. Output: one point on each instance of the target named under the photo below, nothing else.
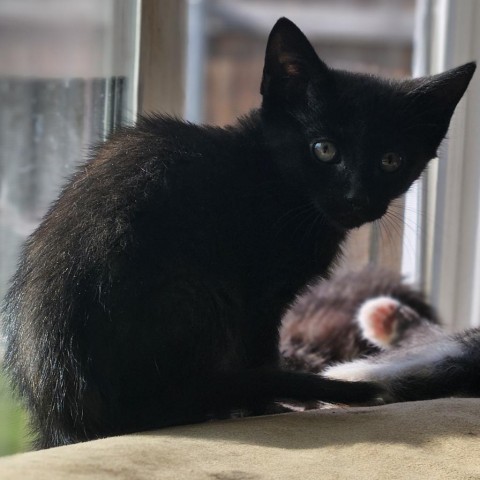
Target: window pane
(67, 79)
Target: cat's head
(352, 142)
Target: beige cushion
(420, 440)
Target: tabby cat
(353, 314)
(417, 359)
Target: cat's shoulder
(155, 145)
(157, 133)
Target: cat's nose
(357, 201)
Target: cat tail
(444, 368)
(457, 374)
(246, 389)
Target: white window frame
(447, 259)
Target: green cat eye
(325, 151)
(391, 162)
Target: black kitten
(417, 359)
(351, 315)
(152, 292)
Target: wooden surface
(162, 57)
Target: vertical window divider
(451, 261)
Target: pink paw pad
(377, 319)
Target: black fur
(152, 291)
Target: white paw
(378, 321)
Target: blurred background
(71, 72)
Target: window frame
(448, 198)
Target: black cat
(152, 292)
(351, 315)
(417, 359)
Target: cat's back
(156, 170)
(106, 245)
(138, 194)
(151, 158)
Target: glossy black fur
(321, 327)
(152, 291)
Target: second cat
(415, 358)
(351, 315)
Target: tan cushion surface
(437, 439)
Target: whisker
(393, 224)
(311, 229)
(304, 221)
(290, 216)
(407, 223)
(386, 234)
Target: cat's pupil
(325, 151)
(391, 162)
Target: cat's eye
(325, 151)
(391, 162)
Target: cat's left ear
(441, 93)
(290, 62)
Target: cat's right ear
(290, 62)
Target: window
(71, 71)
(449, 265)
(67, 78)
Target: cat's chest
(279, 266)
(249, 231)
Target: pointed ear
(442, 92)
(290, 61)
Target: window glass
(67, 78)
